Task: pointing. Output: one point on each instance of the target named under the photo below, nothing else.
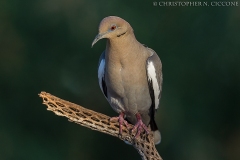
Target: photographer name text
(196, 4)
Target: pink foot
(121, 121)
(140, 126)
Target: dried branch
(100, 122)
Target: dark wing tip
(104, 87)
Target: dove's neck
(123, 46)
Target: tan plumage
(130, 75)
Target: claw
(121, 121)
(140, 126)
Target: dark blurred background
(45, 45)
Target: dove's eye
(113, 27)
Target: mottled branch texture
(100, 122)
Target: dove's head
(112, 27)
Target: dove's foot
(140, 126)
(121, 121)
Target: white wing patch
(101, 73)
(116, 105)
(151, 71)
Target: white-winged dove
(130, 76)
